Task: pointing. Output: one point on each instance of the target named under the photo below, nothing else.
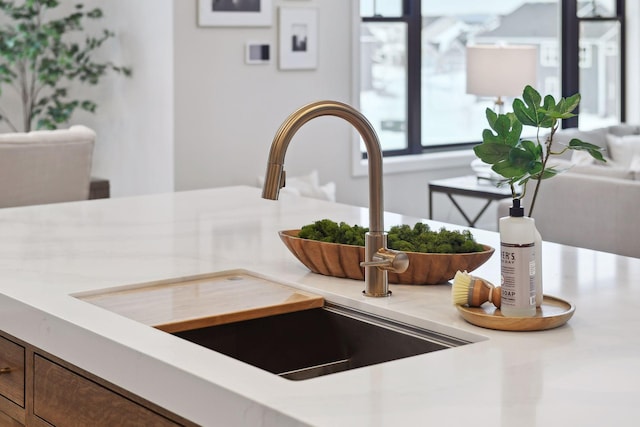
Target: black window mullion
(570, 54)
(414, 78)
(621, 13)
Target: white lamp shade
(494, 70)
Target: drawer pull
(6, 370)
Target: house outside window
(549, 55)
(422, 105)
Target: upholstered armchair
(42, 167)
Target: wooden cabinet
(12, 371)
(38, 389)
(12, 381)
(7, 421)
(62, 397)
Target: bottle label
(518, 272)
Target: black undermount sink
(310, 343)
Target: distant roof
(538, 20)
(440, 26)
(477, 19)
(529, 20)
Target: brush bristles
(473, 291)
(461, 288)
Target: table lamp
(501, 70)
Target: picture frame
(298, 38)
(238, 13)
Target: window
(600, 29)
(413, 63)
(384, 73)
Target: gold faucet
(378, 258)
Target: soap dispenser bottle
(517, 263)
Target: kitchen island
(584, 373)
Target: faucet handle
(388, 259)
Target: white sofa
(592, 205)
(42, 167)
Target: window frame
(569, 68)
(570, 52)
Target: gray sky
(439, 7)
(457, 7)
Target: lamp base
(498, 105)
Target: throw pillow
(308, 186)
(594, 136)
(623, 129)
(624, 149)
(604, 171)
(579, 157)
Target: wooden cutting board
(198, 302)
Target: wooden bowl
(338, 260)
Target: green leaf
(530, 111)
(535, 169)
(531, 96)
(514, 135)
(490, 137)
(594, 150)
(532, 147)
(549, 102)
(549, 173)
(572, 103)
(492, 152)
(578, 144)
(502, 125)
(526, 116)
(491, 117)
(89, 106)
(508, 170)
(522, 158)
(507, 129)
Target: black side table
(469, 186)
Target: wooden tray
(552, 313)
(176, 305)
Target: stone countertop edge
(51, 252)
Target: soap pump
(517, 263)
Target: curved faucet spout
(275, 176)
(378, 259)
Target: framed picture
(298, 38)
(234, 13)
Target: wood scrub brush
(474, 291)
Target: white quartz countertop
(584, 373)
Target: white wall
(227, 112)
(135, 120)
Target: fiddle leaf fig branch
(39, 61)
(521, 160)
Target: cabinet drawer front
(62, 397)
(12, 371)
